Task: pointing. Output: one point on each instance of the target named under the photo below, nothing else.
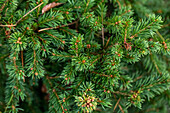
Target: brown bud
(19, 38)
(19, 90)
(63, 42)
(88, 46)
(53, 90)
(83, 61)
(36, 73)
(13, 107)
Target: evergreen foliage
(77, 56)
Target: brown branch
(157, 32)
(116, 105)
(100, 74)
(22, 59)
(107, 43)
(135, 35)
(29, 13)
(139, 77)
(58, 26)
(121, 108)
(22, 17)
(53, 77)
(58, 99)
(54, 91)
(34, 59)
(62, 55)
(96, 60)
(86, 6)
(7, 25)
(119, 105)
(117, 92)
(118, 4)
(156, 66)
(166, 25)
(3, 6)
(125, 35)
(67, 32)
(102, 29)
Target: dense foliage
(77, 56)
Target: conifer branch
(58, 99)
(22, 17)
(29, 13)
(147, 27)
(9, 103)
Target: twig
(58, 99)
(63, 55)
(116, 105)
(57, 26)
(28, 13)
(87, 5)
(3, 5)
(9, 103)
(54, 91)
(95, 60)
(107, 42)
(22, 59)
(139, 77)
(102, 29)
(157, 32)
(117, 92)
(118, 4)
(125, 35)
(119, 105)
(156, 66)
(121, 108)
(22, 17)
(100, 74)
(166, 25)
(7, 25)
